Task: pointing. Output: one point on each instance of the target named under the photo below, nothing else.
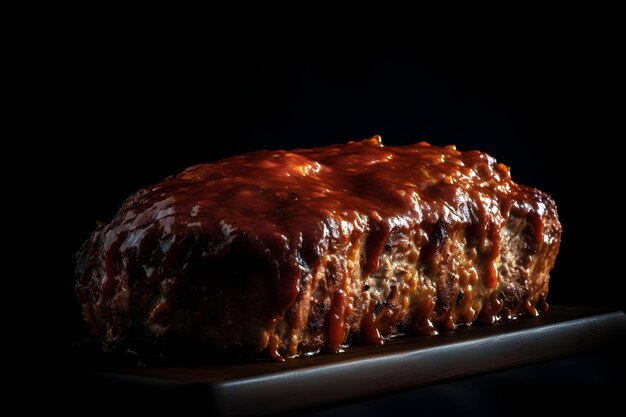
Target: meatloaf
(288, 253)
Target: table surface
(363, 371)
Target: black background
(128, 106)
(141, 107)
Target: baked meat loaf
(293, 252)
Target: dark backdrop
(134, 106)
(114, 106)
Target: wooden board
(255, 388)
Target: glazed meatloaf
(285, 253)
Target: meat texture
(286, 253)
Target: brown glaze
(291, 206)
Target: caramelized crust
(293, 252)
